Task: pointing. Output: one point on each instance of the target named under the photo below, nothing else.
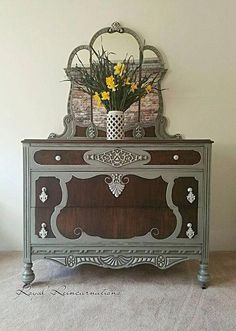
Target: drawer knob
(58, 158)
(190, 233)
(43, 232)
(43, 195)
(190, 197)
(176, 157)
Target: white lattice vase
(115, 125)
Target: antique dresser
(140, 200)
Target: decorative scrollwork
(155, 233)
(115, 27)
(190, 197)
(78, 231)
(161, 261)
(52, 135)
(115, 260)
(68, 132)
(91, 131)
(160, 128)
(117, 157)
(157, 63)
(68, 118)
(119, 261)
(116, 184)
(70, 261)
(138, 131)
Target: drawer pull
(43, 195)
(58, 158)
(190, 197)
(43, 232)
(190, 233)
(176, 157)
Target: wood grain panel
(43, 215)
(180, 192)
(166, 157)
(188, 216)
(149, 132)
(139, 192)
(188, 211)
(53, 190)
(68, 157)
(115, 223)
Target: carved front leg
(28, 275)
(203, 275)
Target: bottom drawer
(114, 223)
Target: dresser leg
(28, 274)
(203, 275)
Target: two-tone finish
(116, 204)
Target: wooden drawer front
(43, 215)
(47, 192)
(185, 192)
(188, 216)
(60, 157)
(116, 223)
(174, 157)
(137, 193)
(141, 207)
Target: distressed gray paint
(126, 252)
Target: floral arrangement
(115, 86)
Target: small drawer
(185, 192)
(47, 192)
(174, 157)
(60, 157)
(42, 218)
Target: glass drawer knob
(176, 157)
(58, 158)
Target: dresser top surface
(117, 142)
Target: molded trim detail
(117, 157)
(115, 261)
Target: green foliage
(115, 86)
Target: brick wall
(80, 101)
(80, 106)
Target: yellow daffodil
(105, 95)
(97, 99)
(134, 86)
(127, 82)
(148, 88)
(111, 83)
(119, 69)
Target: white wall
(197, 38)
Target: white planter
(115, 125)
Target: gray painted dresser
(116, 204)
(141, 200)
